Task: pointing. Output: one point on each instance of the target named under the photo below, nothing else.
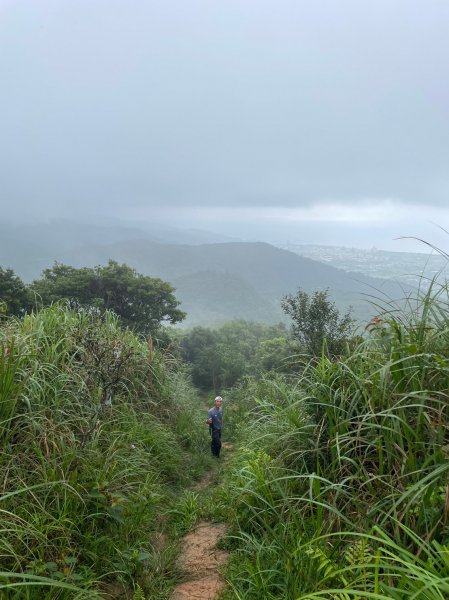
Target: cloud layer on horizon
(121, 108)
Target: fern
(359, 552)
(324, 565)
(138, 593)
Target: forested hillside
(268, 273)
(337, 485)
(31, 247)
(215, 282)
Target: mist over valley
(216, 277)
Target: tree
(14, 296)
(199, 349)
(278, 354)
(237, 349)
(143, 303)
(315, 319)
(220, 357)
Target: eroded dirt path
(200, 559)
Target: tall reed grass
(342, 487)
(97, 434)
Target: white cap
(219, 398)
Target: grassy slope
(339, 489)
(83, 480)
(341, 485)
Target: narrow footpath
(200, 559)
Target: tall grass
(97, 434)
(342, 490)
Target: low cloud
(283, 112)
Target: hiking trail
(200, 559)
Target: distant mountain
(238, 279)
(215, 281)
(210, 298)
(192, 237)
(32, 247)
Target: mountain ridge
(269, 271)
(252, 276)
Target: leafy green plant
(184, 513)
(138, 593)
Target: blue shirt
(217, 417)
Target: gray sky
(317, 120)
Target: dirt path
(200, 559)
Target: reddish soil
(200, 560)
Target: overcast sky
(304, 120)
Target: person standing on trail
(215, 422)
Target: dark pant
(215, 444)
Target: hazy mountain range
(215, 277)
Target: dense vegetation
(220, 357)
(316, 320)
(98, 433)
(14, 295)
(340, 488)
(339, 483)
(142, 303)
